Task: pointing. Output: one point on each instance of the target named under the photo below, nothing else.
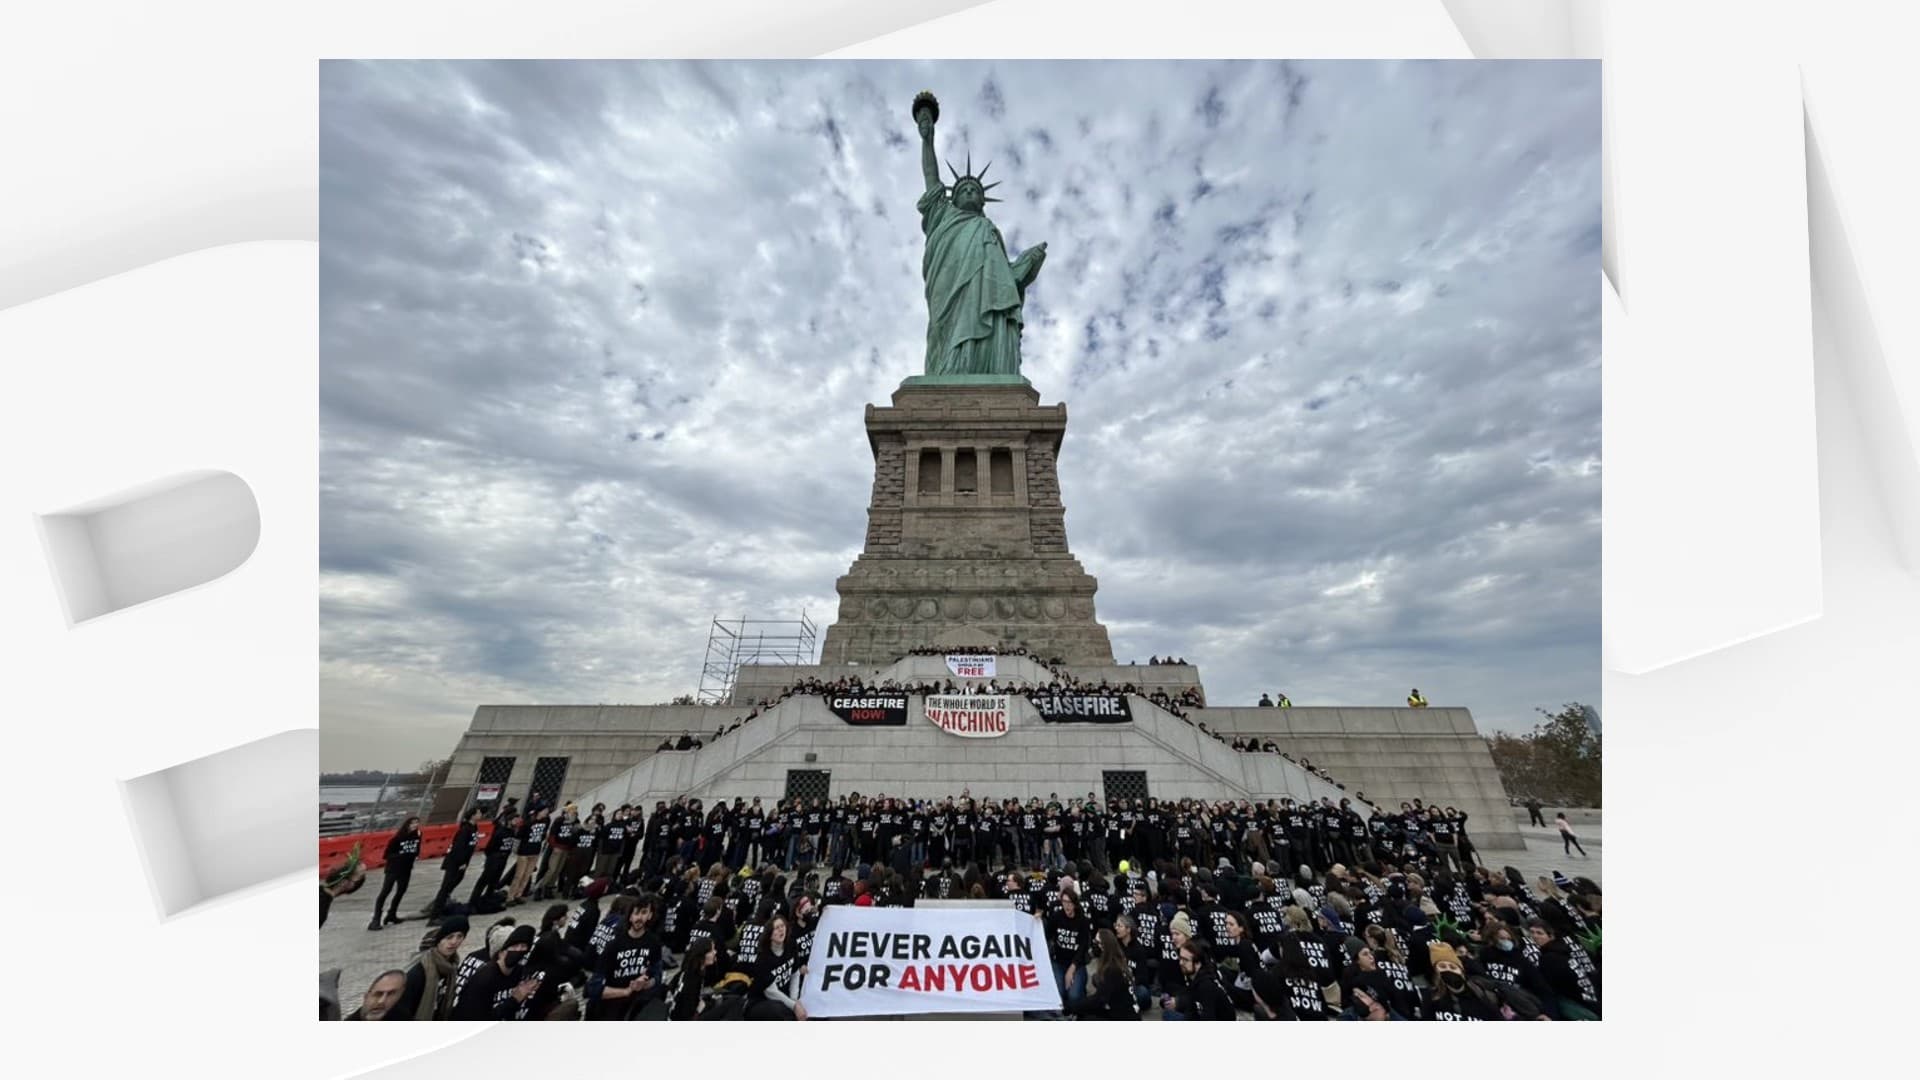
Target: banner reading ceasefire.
(1076, 707)
(975, 716)
(889, 710)
(971, 666)
(901, 961)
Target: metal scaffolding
(733, 642)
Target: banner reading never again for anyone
(901, 961)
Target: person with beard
(1069, 938)
(774, 993)
(1172, 977)
(626, 980)
(1450, 998)
(382, 995)
(1203, 995)
(1110, 983)
(1568, 971)
(402, 848)
(428, 989)
(491, 942)
(497, 990)
(454, 867)
(501, 841)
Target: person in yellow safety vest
(1284, 703)
(1414, 700)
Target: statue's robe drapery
(973, 298)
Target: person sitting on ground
(1110, 986)
(427, 990)
(1204, 996)
(381, 997)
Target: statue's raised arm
(974, 294)
(925, 112)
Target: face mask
(1506, 945)
(1454, 980)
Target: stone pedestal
(966, 534)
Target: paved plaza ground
(362, 954)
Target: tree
(683, 699)
(1557, 762)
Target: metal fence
(345, 810)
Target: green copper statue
(974, 294)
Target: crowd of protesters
(1192, 910)
(1063, 681)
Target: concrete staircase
(919, 760)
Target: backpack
(1513, 1002)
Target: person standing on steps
(1569, 843)
(533, 837)
(402, 849)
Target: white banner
(969, 666)
(974, 716)
(902, 961)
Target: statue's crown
(959, 176)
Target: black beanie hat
(456, 924)
(522, 935)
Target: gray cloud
(596, 338)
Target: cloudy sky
(596, 339)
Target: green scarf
(439, 972)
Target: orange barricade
(434, 842)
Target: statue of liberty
(974, 295)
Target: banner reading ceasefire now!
(902, 961)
